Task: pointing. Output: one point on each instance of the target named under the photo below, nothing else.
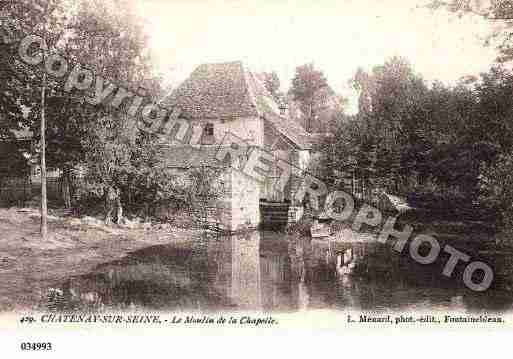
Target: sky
(337, 36)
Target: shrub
(496, 182)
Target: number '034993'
(36, 346)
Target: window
(208, 134)
(209, 130)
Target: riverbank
(29, 265)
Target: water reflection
(268, 271)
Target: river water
(273, 272)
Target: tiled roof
(214, 91)
(290, 129)
(269, 110)
(228, 91)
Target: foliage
(109, 37)
(497, 188)
(409, 137)
(272, 84)
(498, 12)
(307, 89)
(15, 95)
(12, 162)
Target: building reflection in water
(266, 271)
(259, 271)
(234, 268)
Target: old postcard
(177, 171)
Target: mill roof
(229, 91)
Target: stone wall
(245, 200)
(236, 208)
(239, 206)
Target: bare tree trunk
(44, 204)
(109, 205)
(25, 190)
(130, 193)
(44, 208)
(119, 213)
(66, 188)
(119, 207)
(309, 125)
(146, 212)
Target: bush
(497, 189)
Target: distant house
(228, 98)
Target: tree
(363, 83)
(16, 90)
(497, 189)
(392, 115)
(108, 36)
(494, 120)
(307, 86)
(109, 146)
(27, 16)
(407, 134)
(272, 84)
(499, 12)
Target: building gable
(227, 91)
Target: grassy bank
(29, 265)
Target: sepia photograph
(198, 168)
